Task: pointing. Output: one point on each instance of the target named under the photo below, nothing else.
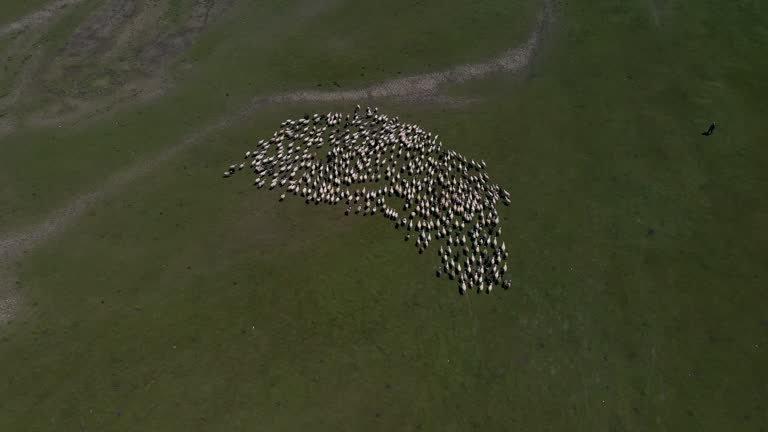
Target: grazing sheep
(370, 157)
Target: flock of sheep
(372, 160)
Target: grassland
(183, 302)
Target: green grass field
(177, 300)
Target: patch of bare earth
(119, 55)
(425, 86)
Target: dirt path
(417, 88)
(36, 18)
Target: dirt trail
(49, 11)
(132, 54)
(417, 88)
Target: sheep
(375, 157)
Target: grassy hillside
(181, 301)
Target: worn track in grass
(36, 18)
(416, 88)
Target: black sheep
(710, 130)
